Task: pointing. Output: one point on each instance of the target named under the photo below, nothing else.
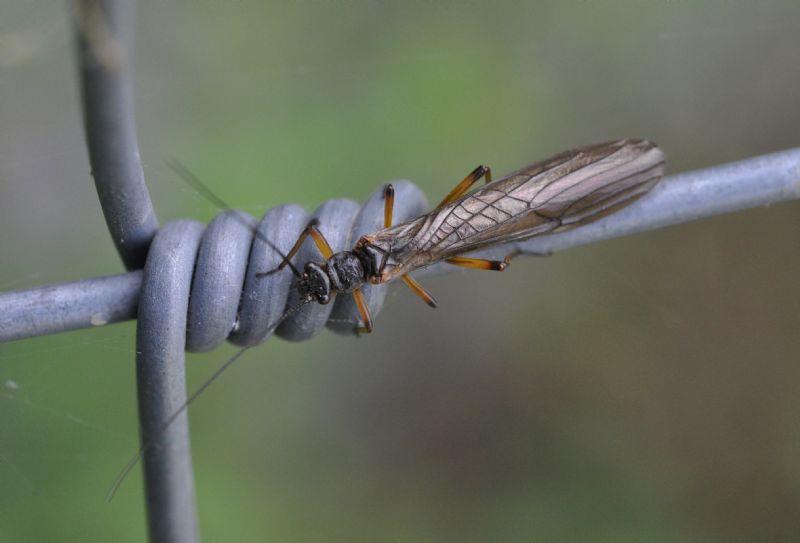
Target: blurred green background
(643, 389)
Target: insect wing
(608, 177)
(572, 188)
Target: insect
(570, 189)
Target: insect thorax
(346, 271)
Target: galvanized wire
(198, 287)
(677, 199)
(111, 128)
(114, 156)
(201, 286)
(69, 306)
(161, 382)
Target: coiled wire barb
(232, 298)
(201, 287)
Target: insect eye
(324, 299)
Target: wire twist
(227, 299)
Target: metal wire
(677, 199)
(190, 299)
(69, 306)
(119, 179)
(201, 286)
(161, 382)
(111, 127)
(229, 300)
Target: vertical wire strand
(161, 329)
(161, 382)
(99, 27)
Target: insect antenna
(123, 474)
(193, 181)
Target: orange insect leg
(482, 264)
(388, 205)
(363, 310)
(466, 183)
(419, 290)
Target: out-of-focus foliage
(637, 390)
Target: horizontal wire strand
(230, 296)
(677, 199)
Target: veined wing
(567, 190)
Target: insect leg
(466, 183)
(388, 205)
(363, 310)
(319, 240)
(481, 264)
(419, 290)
